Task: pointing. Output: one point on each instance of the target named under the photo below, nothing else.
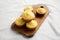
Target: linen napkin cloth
(11, 9)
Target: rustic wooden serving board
(39, 18)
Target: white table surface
(11, 9)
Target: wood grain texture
(38, 18)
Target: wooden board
(39, 19)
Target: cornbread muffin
(28, 15)
(19, 21)
(29, 8)
(32, 24)
(41, 10)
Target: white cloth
(11, 9)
